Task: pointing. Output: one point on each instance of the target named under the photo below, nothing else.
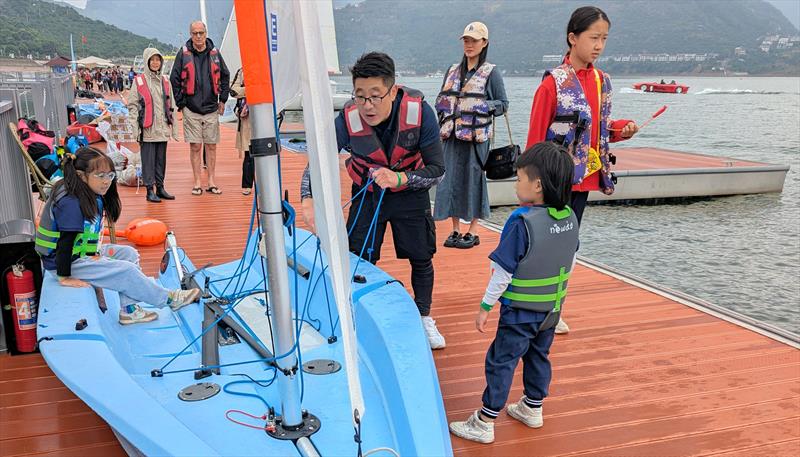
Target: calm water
(739, 252)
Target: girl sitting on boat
(530, 268)
(572, 107)
(70, 234)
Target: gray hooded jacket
(160, 130)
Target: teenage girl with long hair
(572, 107)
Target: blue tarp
(298, 146)
(93, 109)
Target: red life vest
(188, 71)
(146, 102)
(366, 148)
(30, 131)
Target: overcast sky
(789, 8)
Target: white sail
(324, 165)
(283, 51)
(327, 30)
(229, 48)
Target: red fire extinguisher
(22, 294)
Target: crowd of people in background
(106, 80)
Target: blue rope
(298, 325)
(264, 359)
(328, 301)
(371, 231)
(372, 226)
(358, 212)
(267, 383)
(238, 271)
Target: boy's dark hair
(374, 64)
(583, 18)
(88, 160)
(553, 165)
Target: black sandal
(452, 240)
(468, 240)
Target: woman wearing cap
(472, 93)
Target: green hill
(41, 28)
(423, 36)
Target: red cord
(263, 417)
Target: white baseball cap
(476, 30)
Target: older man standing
(201, 82)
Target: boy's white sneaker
(561, 327)
(138, 316)
(179, 298)
(435, 339)
(474, 429)
(532, 417)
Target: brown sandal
(214, 190)
(197, 191)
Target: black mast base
(308, 427)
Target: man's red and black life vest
(188, 72)
(146, 101)
(366, 148)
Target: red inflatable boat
(671, 88)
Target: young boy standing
(530, 268)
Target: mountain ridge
(522, 32)
(44, 29)
(425, 37)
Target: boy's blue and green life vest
(47, 234)
(540, 281)
(573, 114)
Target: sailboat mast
(252, 29)
(203, 16)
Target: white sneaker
(474, 429)
(532, 417)
(561, 327)
(138, 316)
(435, 339)
(179, 298)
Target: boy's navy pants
(512, 343)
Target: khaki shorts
(200, 128)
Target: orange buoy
(143, 231)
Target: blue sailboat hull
(109, 365)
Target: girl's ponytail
(68, 167)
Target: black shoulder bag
(501, 161)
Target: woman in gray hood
(151, 115)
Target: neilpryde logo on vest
(561, 228)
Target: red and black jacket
(200, 80)
(189, 73)
(367, 150)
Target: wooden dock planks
(639, 374)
